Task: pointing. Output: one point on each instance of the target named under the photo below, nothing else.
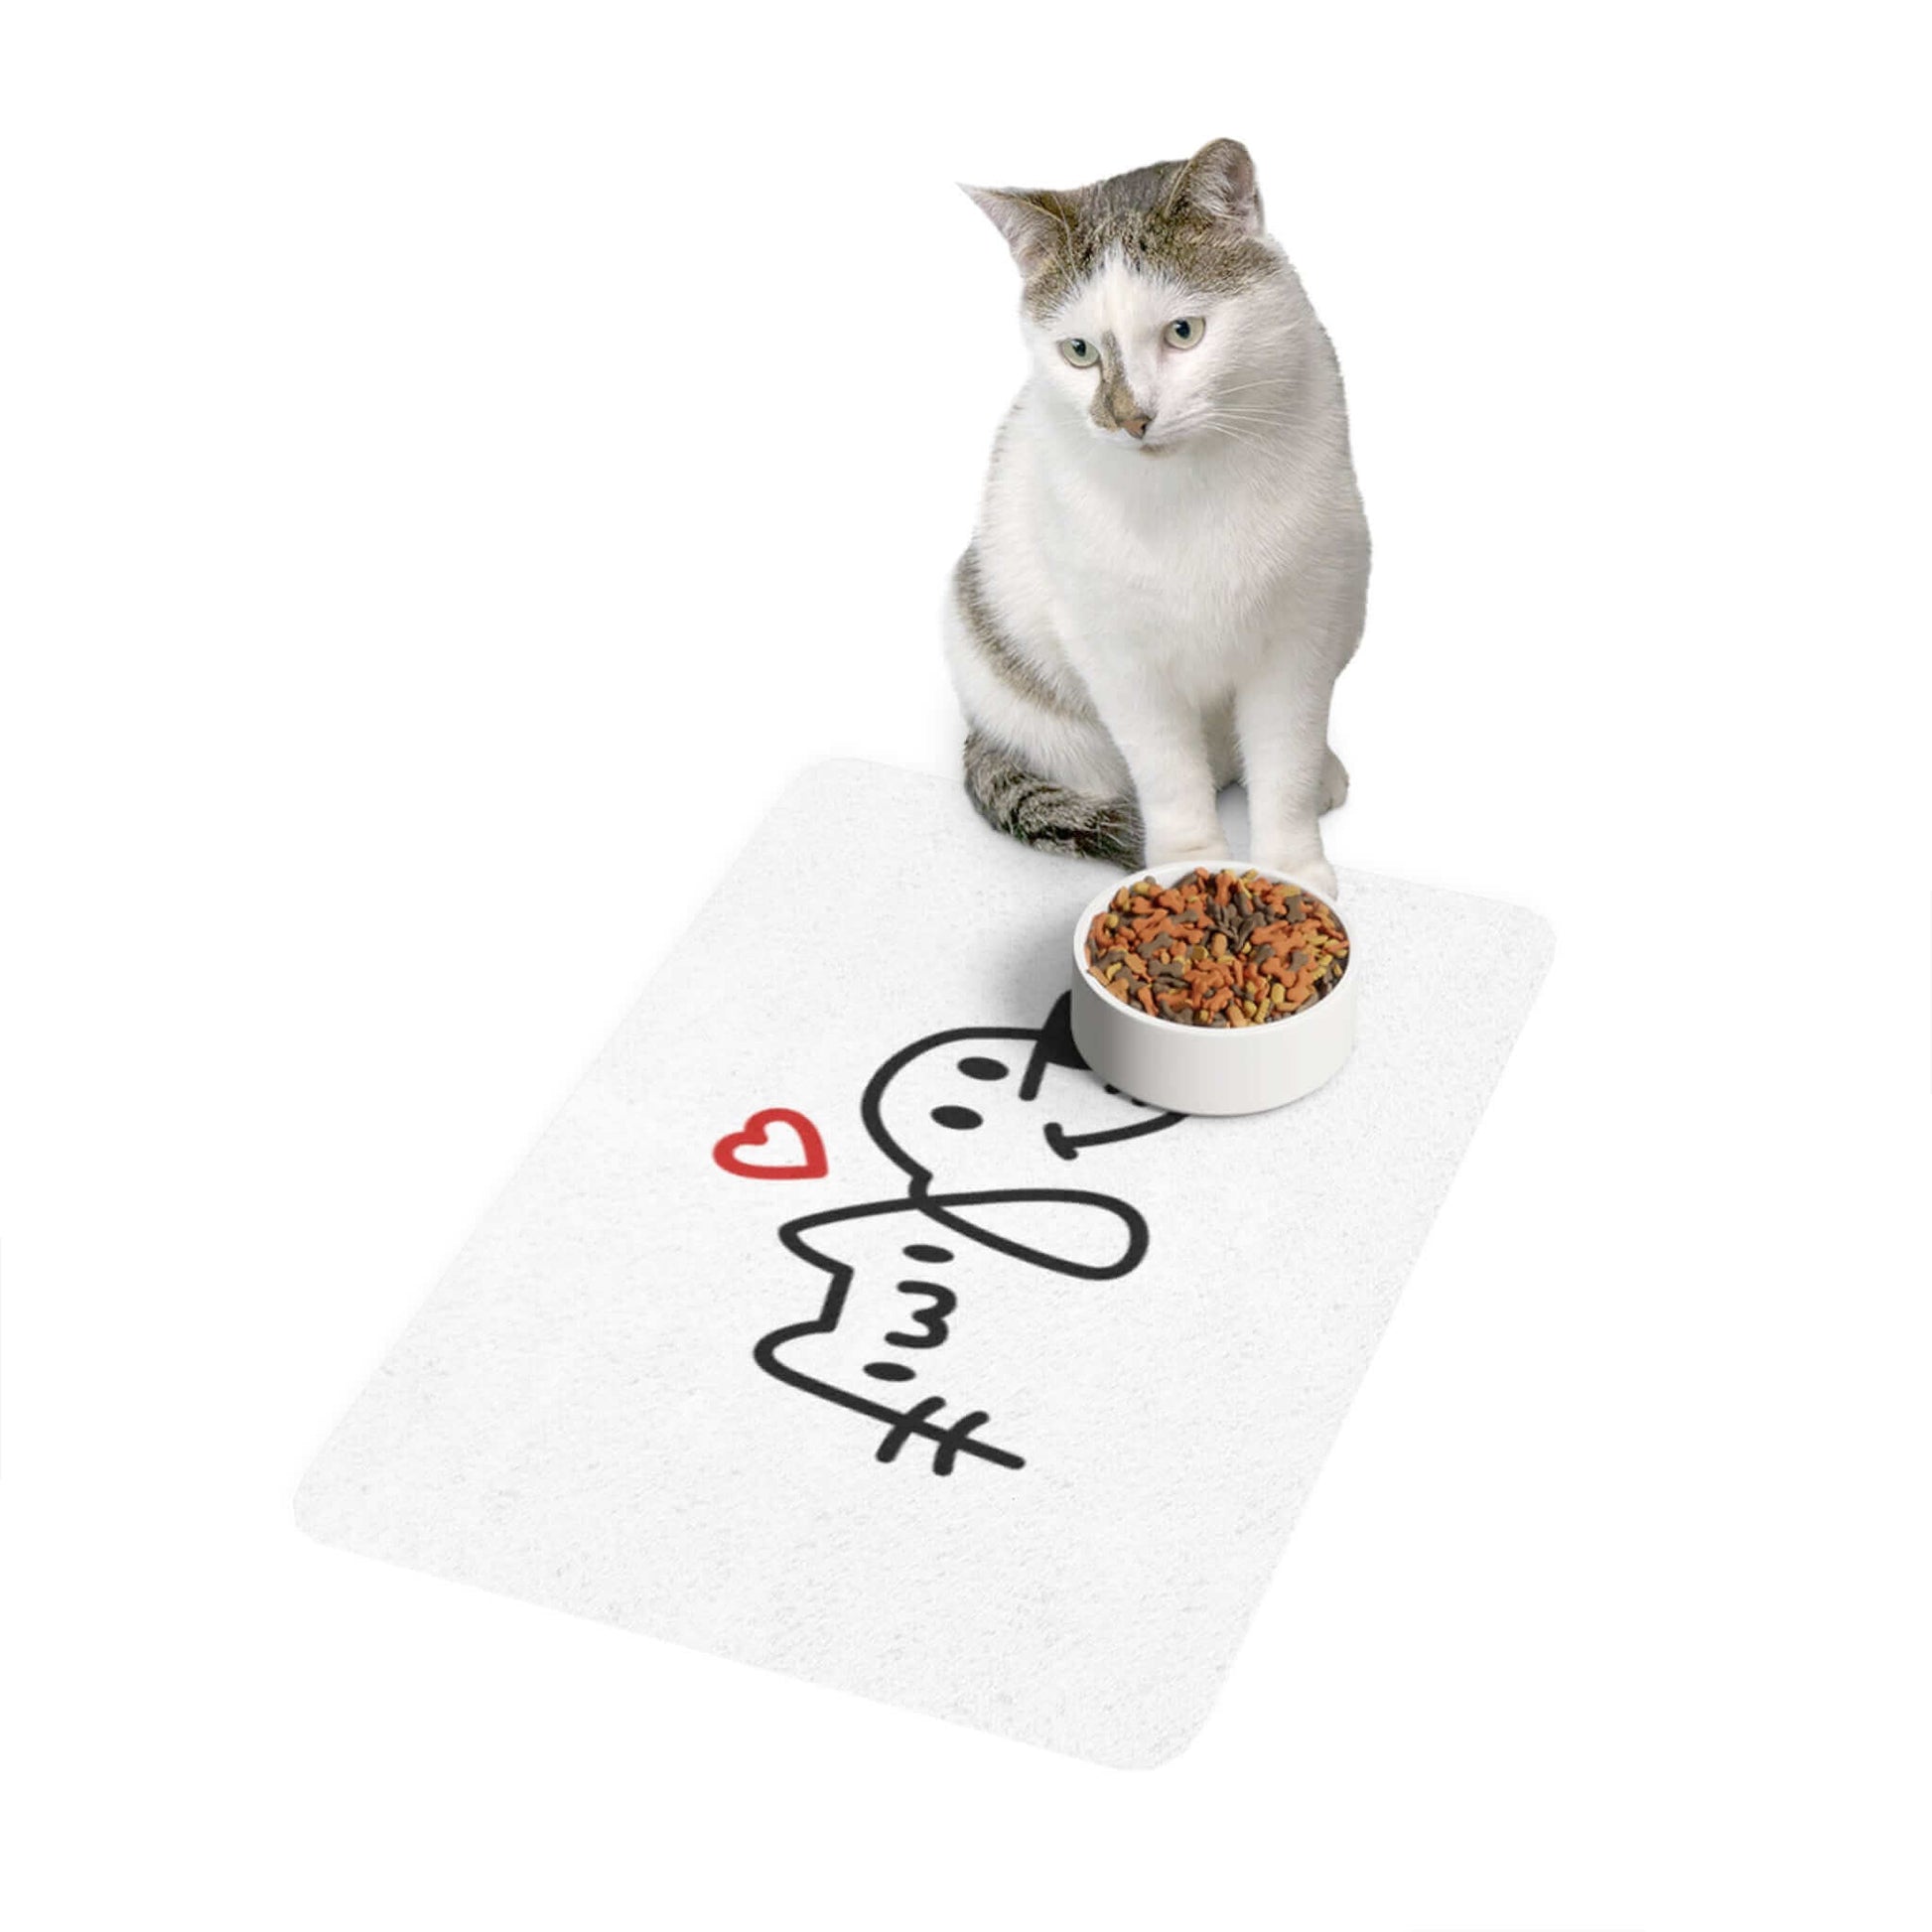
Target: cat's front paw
(1311, 868)
(1185, 851)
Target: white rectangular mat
(894, 1388)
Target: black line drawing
(903, 1336)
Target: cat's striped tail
(1039, 812)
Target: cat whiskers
(1252, 424)
(1238, 435)
(1251, 412)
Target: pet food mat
(800, 1339)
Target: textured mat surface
(800, 1339)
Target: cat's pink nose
(1136, 426)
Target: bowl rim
(1102, 901)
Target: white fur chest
(1196, 557)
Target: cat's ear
(1219, 186)
(1030, 221)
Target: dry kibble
(1187, 961)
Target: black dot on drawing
(979, 1069)
(955, 1117)
(891, 1371)
(919, 1251)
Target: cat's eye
(1079, 352)
(1185, 332)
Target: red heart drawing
(809, 1165)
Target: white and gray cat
(1170, 562)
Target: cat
(1170, 562)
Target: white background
(458, 460)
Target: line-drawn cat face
(999, 1107)
(1147, 298)
(916, 1324)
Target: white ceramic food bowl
(1211, 1069)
